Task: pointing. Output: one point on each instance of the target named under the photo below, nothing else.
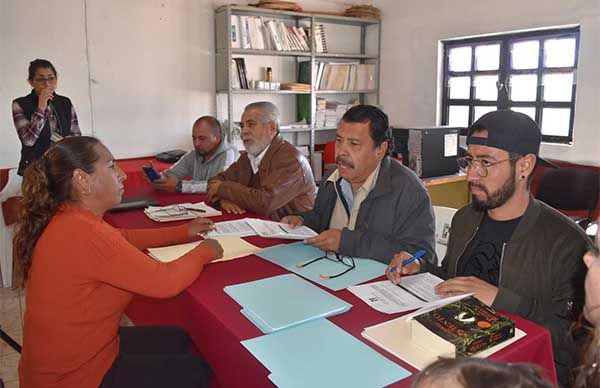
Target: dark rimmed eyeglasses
(346, 260)
(480, 166)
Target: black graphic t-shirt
(482, 257)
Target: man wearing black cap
(513, 252)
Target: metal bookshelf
(224, 54)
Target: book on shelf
(235, 32)
(253, 32)
(344, 76)
(461, 328)
(241, 72)
(295, 86)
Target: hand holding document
(272, 229)
(182, 211)
(414, 292)
(254, 226)
(233, 248)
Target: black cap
(510, 131)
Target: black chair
(11, 342)
(570, 189)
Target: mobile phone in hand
(151, 173)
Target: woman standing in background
(42, 117)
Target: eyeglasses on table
(346, 260)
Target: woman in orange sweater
(81, 273)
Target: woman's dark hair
(40, 64)
(47, 185)
(379, 126)
(587, 374)
(480, 373)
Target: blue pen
(416, 256)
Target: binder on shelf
(235, 32)
(235, 75)
(244, 32)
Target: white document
(233, 248)
(274, 229)
(450, 144)
(239, 228)
(182, 211)
(413, 292)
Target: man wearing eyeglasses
(513, 252)
(371, 206)
(43, 117)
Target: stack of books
(331, 114)
(253, 32)
(298, 87)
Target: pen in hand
(414, 257)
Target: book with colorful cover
(461, 328)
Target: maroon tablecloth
(216, 325)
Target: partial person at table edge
(272, 178)
(371, 206)
(42, 117)
(474, 372)
(81, 273)
(211, 155)
(588, 371)
(513, 252)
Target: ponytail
(37, 208)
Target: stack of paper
(182, 211)
(320, 354)
(233, 248)
(290, 256)
(280, 302)
(254, 226)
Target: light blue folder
(320, 354)
(283, 301)
(288, 255)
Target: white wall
(411, 34)
(139, 72)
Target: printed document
(182, 211)
(272, 229)
(413, 292)
(239, 228)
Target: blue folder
(288, 255)
(320, 354)
(283, 301)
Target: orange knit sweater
(84, 273)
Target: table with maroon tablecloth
(216, 325)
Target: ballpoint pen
(414, 257)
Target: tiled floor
(12, 305)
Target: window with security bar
(533, 72)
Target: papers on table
(413, 292)
(239, 228)
(280, 302)
(272, 229)
(288, 255)
(254, 226)
(320, 354)
(182, 211)
(395, 337)
(233, 248)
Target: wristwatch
(178, 187)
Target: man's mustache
(346, 163)
(479, 186)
